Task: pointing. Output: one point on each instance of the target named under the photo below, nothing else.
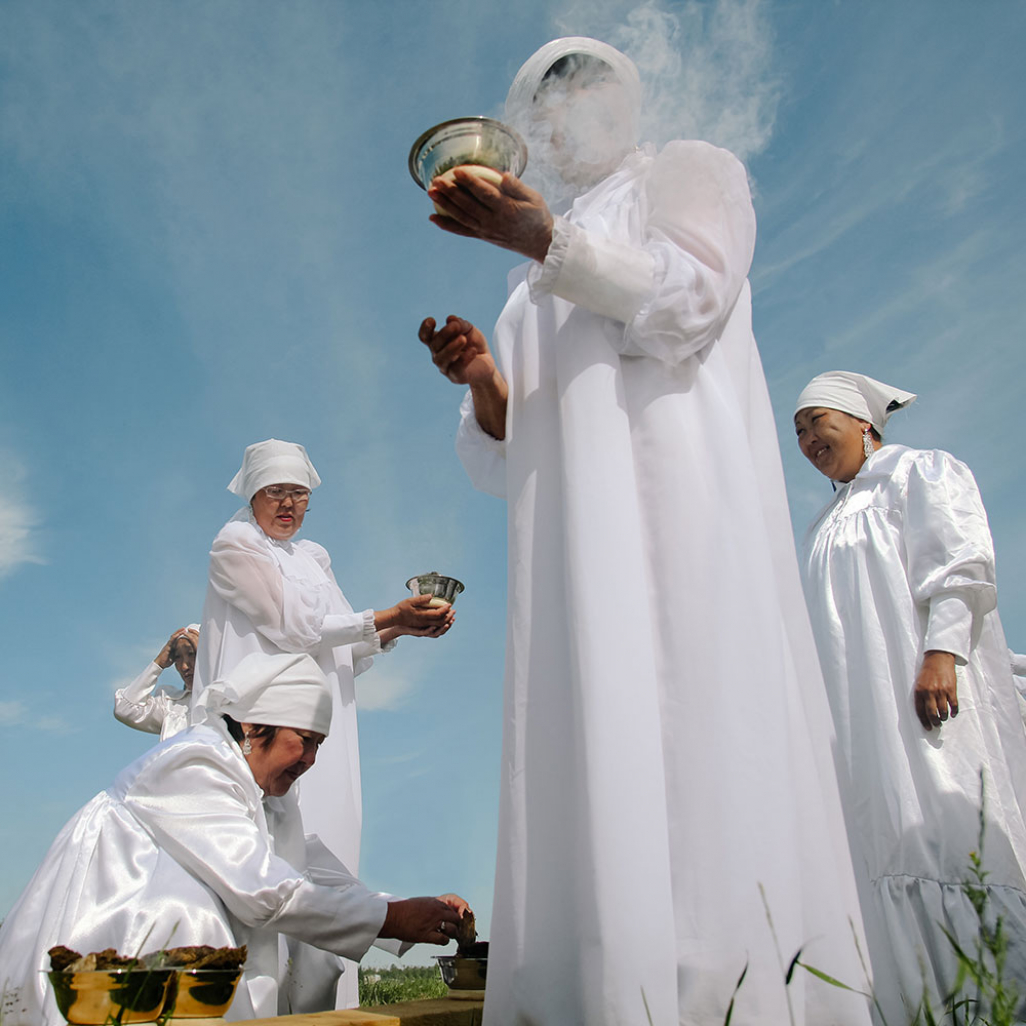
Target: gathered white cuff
(350, 629)
(950, 627)
(609, 278)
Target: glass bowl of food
(93, 997)
(474, 143)
(442, 589)
(202, 993)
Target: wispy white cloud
(55, 725)
(382, 690)
(12, 713)
(17, 522)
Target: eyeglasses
(300, 496)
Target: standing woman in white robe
(271, 592)
(200, 841)
(899, 573)
(666, 735)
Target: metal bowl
(434, 583)
(100, 996)
(462, 973)
(202, 993)
(475, 140)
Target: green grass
(400, 983)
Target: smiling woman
(899, 574)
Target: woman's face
(279, 518)
(279, 763)
(831, 441)
(185, 659)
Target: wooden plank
(343, 1017)
(435, 1012)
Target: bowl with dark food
(443, 589)
(474, 142)
(104, 986)
(93, 997)
(463, 975)
(205, 980)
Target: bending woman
(200, 841)
(899, 575)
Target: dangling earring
(867, 443)
(247, 747)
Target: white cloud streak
(17, 522)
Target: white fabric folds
(855, 394)
(898, 563)
(183, 850)
(666, 743)
(273, 462)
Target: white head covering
(856, 394)
(282, 690)
(520, 98)
(273, 462)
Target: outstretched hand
(423, 920)
(511, 215)
(458, 350)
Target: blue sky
(209, 237)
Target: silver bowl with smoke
(476, 141)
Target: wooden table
(435, 1012)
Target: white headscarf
(855, 394)
(273, 462)
(520, 98)
(282, 690)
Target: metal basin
(436, 584)
(100, 996)
(474, 140)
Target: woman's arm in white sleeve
(950, 552)
(198, 806)
(483, 457)
(675, 291)
(136, 706)
(245, 574)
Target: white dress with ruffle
(898, 563)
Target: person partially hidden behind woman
(899, 575)
(200, 841)
(164, 712)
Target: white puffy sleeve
(136, 705)
(294, 618)
(675, 291)
(950, 552)
(483, 457)
(196, 803)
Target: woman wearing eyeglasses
(271, 592)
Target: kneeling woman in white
(899, 575)
(200, 841)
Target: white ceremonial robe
(142, 706)
(666, 736)
(265, 595)
(184, 849)
(898, 563)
